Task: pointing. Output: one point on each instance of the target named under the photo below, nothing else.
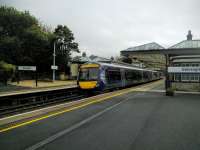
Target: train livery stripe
(87, 84)
(90, 66)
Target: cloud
(105, 27)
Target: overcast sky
(104, 27)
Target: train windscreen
(88, 74)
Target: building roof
(186, 47)
(146, 47)
(187, 44)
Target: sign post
(54, 60)
(28, 68)
(54, 68)
(36, 79)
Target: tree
(112, 58)
(65, 45)
(23, 41)
(84, 54)
(40, 51)
(6, 71)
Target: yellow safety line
(70, 109)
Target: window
(88, 74)
(177, 77)
(197, 77)
(133, 75)
(113, 76)
(184, 77)
(129, 75)
(192, 77)
(147, 75)
(155, 74)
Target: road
(139, 120)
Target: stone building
(141, 54)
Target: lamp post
(54, 56)
(54, 59)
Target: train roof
(119, 66)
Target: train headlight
(97, 85)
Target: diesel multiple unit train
(103, 76)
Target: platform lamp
(57, 41)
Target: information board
(184, 69)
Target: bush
(6, 71)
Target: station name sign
(184, 69)
(54, 67)
(27, 68)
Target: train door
(123, 81)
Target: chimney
(189, 36)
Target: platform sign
(184, 69)
(54, 67)
(27, 68)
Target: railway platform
(27, 87)
(140, 117)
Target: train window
(133, 75)
(88, 74)
(138, 75)
(129, 76)
(147, 75)
(155, 74)
(113, 76)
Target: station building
(140, 54)
(181, 61)
(186, 68)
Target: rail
(22, 102)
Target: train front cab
(88, 76)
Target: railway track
(14, 104)
(25, 102)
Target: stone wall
(186, 87)
(150, 60)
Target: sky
(105, 27)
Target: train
(107, 76)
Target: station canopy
(186, 47)
(151, 48)
(187, 44)
(146, 47)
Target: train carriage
(103, 76)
